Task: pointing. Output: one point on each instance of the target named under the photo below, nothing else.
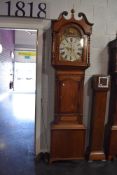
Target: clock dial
(71, 48)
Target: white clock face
(71, 48)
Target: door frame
(40, 25)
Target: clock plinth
(112, 142)
(97, 155)
(67, 141)
(70, 58)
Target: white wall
(6, 67)
(103, 14)
(25, 39)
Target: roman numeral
(78, 53)
(65, 56)
(62, 53)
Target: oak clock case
(70, 58)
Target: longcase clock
(70, 58)
(100, 86)
(112, 120)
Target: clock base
(97, 155)
(113, 142)
(67, 142)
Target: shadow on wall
(88, 106)
(47, 91)
(103, 59)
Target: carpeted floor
(77, 168)
(17, 135)
(17, 146)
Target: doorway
(43, 98)
(18, 82)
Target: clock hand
(68, 48)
